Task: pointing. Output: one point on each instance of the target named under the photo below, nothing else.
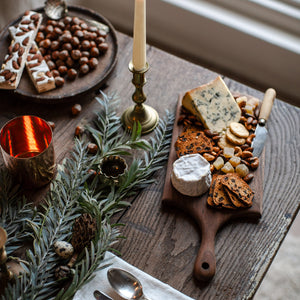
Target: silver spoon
(125, 284)
(57, 9)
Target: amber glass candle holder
(27, 149)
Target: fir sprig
(72, 193)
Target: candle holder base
(145, 114)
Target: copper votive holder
(27, 149)
(144, 114)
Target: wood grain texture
(164, 243)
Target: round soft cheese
(191, 175)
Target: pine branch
(71, 193)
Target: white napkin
(152, 287)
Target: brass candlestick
(146, 115)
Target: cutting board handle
(205, 264)
(267, 104)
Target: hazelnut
(39, 37)
(67, 20)
(47, 57)
(69, 62)
(51, 64)
(93, 62)
(72, 73)
(79, 131)
(66, 37)
(67, 46)
(63, 55)
(51, 36)
(55, 73)
(92, 148)
(59, 63)
(75, 41)
(102, 33)
(93, 44)
(45, 43)
(75, 54)
(83, 60)
(84, 69)
(103, 47)
(75, 27)
(85, 45)
(76, 109)
(59, 81)
(94, 52)
(62, 70)
(55, 54)
(61, 25)
(79, 34)
(58, 31)
(85, 53)
(84, 26)
(100, 40)
(76, 21)
(49, 29)
(54, 45)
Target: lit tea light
(27, 149)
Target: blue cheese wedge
(213, 105)
(191, 175)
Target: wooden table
(165, 243)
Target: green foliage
(72, 193)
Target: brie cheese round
(191, 175)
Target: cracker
(239, 187)
(219, 196)
(192, 141)
(234, 139)
(239, 130)
(235, 200)
(223, 142)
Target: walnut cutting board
(210, 220)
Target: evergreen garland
(71, 193)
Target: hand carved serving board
(209, 219)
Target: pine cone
(84, 230)
(63, 272)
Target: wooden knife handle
(267, 104)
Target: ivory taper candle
(139, 36)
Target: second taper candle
(139, 36)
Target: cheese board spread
(224, 141)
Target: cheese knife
(261, 132)
(101, 296)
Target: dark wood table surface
(164, 243)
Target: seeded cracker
(238, 187)
(190, 142)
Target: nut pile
(230, 151)
(70, 47)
